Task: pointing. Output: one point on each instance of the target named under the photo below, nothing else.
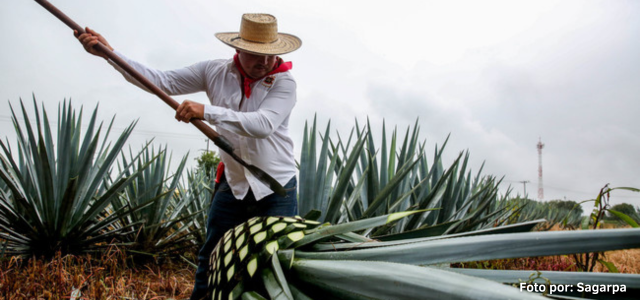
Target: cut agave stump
(241, 253)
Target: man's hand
(189, 110)
(89, 39)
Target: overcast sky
(496, 75)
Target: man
(251, 97)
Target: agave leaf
(513, 228)
(335, 202)
(387, 190)
(167, 216)
(280, 277)
(313, 214)
(324, 174)
(385, 159)
(442, 180)
(57, 188)
(383, 280)
(488, 247)
(308, 169)
(316, 177)
(252, 296)
(353, 238)
(275, 290)
(328, 231)
(297, 294)
(427, 231)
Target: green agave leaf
(428, 231)
(316, 178)
(389, 188)
(332, 230)
(353, 238)
(382, 280)
(252, 296)
(335, 202)
(297, 294)
(487, 247)
(353, 205)
(313, 214)
(436, 192)
(167, 219)
(307, 168)
(280, 277)
(58, 185)
(359, 244)
(274, 287)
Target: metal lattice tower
(540, 188)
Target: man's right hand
(89, 39)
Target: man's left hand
(189, 110)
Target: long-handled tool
(217, 139)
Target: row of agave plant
(77, 191)
(568, 214)
(398, 220)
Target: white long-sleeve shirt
(259, 129)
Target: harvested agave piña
(243, 250)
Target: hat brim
(284, 44)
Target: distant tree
(566, 204)
(626, 209)
(208, 161)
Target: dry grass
(109, 276)
(627, 261)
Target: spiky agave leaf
(487, 247)
(197, 190)
(57, 190)
(395, 270)
(161, 227)
(353, 178)
(344, 279)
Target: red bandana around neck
(247, 81)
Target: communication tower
(540, 188)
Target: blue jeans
(227, 212)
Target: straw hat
(259, 35)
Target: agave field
(379, 220)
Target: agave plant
(528, 209)
(161, 225)
(293, 258)
(353, 179)
(56, 191)
(199, 188)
